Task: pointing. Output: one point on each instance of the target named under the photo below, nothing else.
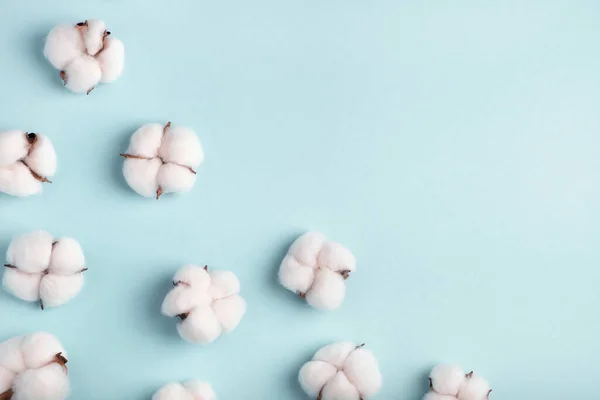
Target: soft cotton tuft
(41, 268)
(190, 390)
(449, 382)
(85, 54)
(206, 302)
(33, 367)
(162, 159)
(27, 160)
(316, 269)
(341, 371)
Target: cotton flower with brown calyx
(41, 268)
(450, 382)
(207, 303)
(316, 269)
(162, 159)
(27, 160)
(33, 367)
(341, 371)
(85, 54)
(190, 390)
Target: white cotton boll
(30, 252)
(200, 326)
(42, 159)
(194, 276)
(340, 388)
(307, 247)
(93, 36)
(437, 396)
(141, 175)
(172, 391)
(112, 59)
(200, 390)
(327, 291)
(63, 44)
(336, 257)
(17, 180)
(181, 146)
(82, 74)
(474, 387)
(314, 375)
(40, 348)
(46, 383)
(174, 178)
(362, 369)
(13, 147)
(182, 299)
(229, 312)
(11, 357)
(67, 257)
(56, 290)
(22, 285)
(223, 284)
(295, 276)
(146, 141)
(335, 353)
(447, 379)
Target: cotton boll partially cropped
(40, 268)
(162, 159)
(316, 269)
(190, 390)
(341, 371)
(449, 382)
(207, 304)
(33, 367)
(85, 55)
(26, 161)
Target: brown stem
(63, 76)
(430, 384)
(345, 273)
(469, 375)
(159, 192)
(7, 395)
(206, 267)
(181, 283)
(90, 91)
(167, 126)
(83, 270)
(360, 346)
(41, 304)
(303, 295)
(10, 266)
(320, 396)
(133, 156)
(35, 174)
(183, 316)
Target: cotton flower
(33, 367)
(40, 268)
(27, 160)
(162, 159)
(341, 371)
(207, 303)
(449, 382)
(315, 269)
(85, 54)
(190, 390)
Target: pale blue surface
(454, 149)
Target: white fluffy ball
(316, 269)
(33, 367)
(449, 382)
(190, 390)
(41, 268)
(27, 160)
(207, 303)
(85, 54)
(162, 159)
(341, 371)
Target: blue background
(454, 148)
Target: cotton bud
(27, 160)
(33, 367)
(449, 382)
(341, 371)
(162, 159)
(85, 54)
(41, 268)
(206, 302)
(316, 269)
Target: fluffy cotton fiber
(448, 382)
(341, 371)
(316, 269)
(85, 54)
(41, 268)
(27, 160)
(190, 390)
(207, 303)
(162, 159)
(33, 367)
